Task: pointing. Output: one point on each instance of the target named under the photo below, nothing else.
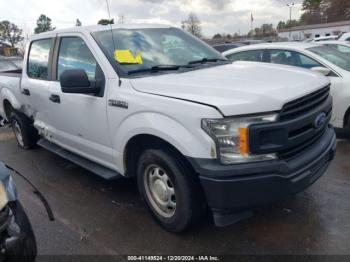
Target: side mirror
(76, 81)
(323, 70)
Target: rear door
(79, 121)
(36, 81)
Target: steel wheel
(160, 191)
(18, 132)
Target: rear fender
(6, 94)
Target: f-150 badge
(118, 103)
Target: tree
(236, 35)
(285, 25)
(10, 33)
(281, 25)
(265, 30)
(105, 21)
(192, 25)
(313, 12)
(43, 24)
(78, 23)
(336, 10)
(217, 36)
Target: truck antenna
(110, 24)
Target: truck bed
(10, 89)
(13, 73)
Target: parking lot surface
(98, 217)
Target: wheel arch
(7, 108)
(138, 143)
(9, 101)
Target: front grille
(293, 152)
(296, 130)
(298, 108)
(302, 105)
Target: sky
(217, 16)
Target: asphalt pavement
(97, 217)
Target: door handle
(25, 92)
(55, 98)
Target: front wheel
(169, 189)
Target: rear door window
(252, 55)
(38, 59)
(283, 57)
(292, 58)
(307, 62)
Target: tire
(164, 180)
(25, 133)
(27, 250)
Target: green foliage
(105, 21)
(43, 24)
(312, 5)
(320, 11)
(288, 24)
(337, 10)
(217, 36)
(265, 30)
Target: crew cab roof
(277, 45)
(95, 28)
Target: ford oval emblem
(320, 121)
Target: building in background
(304, 32)
(7, 50)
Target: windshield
(332, 55)
(153, 47)
(341, 48)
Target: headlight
(3, 196)
(231, 137)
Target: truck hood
(238, 88)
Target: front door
(79, 121)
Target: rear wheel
(25, 133)
(168, 187)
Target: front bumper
(233, 189)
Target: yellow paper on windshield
(126, 57)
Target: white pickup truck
(200, 133)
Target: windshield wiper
(157, 68)
(206, 60)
